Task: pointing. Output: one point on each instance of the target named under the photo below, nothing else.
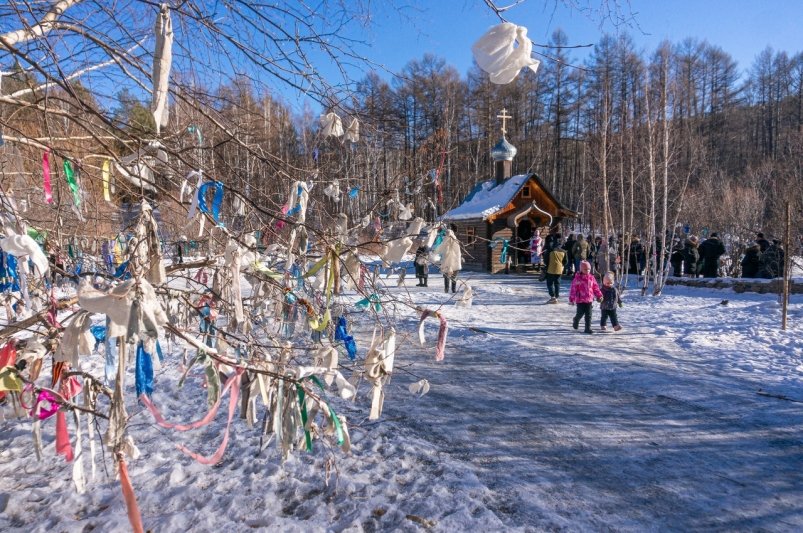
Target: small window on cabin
(470, 232)
(525, 192)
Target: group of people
(695, 258)
(578, 248)
(763, 259)
(584, 288)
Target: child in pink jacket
(583, 291)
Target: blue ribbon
(122, 271)
(348, 341)
(217, 201)
(354, 192)
(9, 278)
(99, 332)
(144, 371)
(297, 207)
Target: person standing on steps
(583, 291)
(451, 258)
(421, 267)
(557, 260)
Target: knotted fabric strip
(215, 458)
(442, 332)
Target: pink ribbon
(218, 455)
(134, 516)
(45, 412)
(46, 176)
(71, 387)
(281, 223)
(160, 421)
(63, 446)
(440, 347)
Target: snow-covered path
(529, 426)
(620, 431)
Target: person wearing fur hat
(751, 262)
(691, 257)
(710, 251)
(583, 291)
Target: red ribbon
(46, 176)
(63, 446)
(8, 356)
(134, 516)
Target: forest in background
(638, 142)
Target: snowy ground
(688, 419)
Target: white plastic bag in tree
(333, 191)
(497, 52)
(451, 256)
(331, 125)
(22, 246)
(353, 131)
(405, 211)
(396, 249)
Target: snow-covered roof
(487, 198)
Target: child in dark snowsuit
(421, 267)
(582, 292)
(610, 300)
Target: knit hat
(585, 265)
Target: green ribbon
(38, 236)
(303, 405)
(70, 174)
(365, 302)
(332, 415)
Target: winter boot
(588, 331)
(575, 323)
(617, 327)
(424, 284)
(603, 328)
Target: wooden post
(787, 263)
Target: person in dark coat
(772, 261)
(637, 257)
(691, 257)
(751, 262)
(710, 251)
(569, 247)
(676, 260)
(552, 241)
(763, 243)
(421, 266)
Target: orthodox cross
(504, 116)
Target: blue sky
(448, 28)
